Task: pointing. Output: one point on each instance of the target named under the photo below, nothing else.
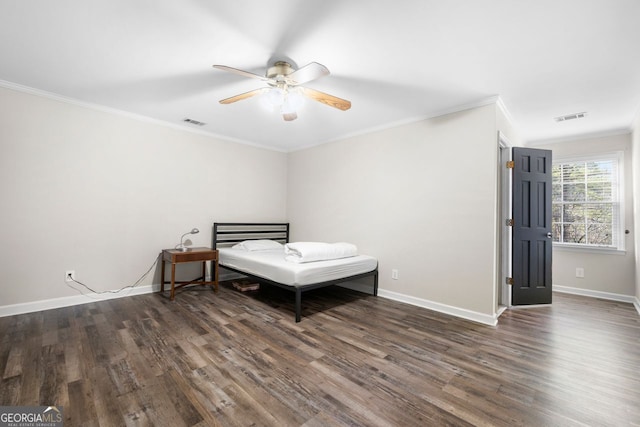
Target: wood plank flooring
(234, 359)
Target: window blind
(586, 202)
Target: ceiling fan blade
(325, 98)
(243, 96)
(289, 116)
(307, 73)
(240, 72)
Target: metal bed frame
(229, 233)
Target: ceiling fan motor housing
(279, 70)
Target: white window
(587, 202)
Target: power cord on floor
(114, 291)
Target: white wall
(607, 273)
(103, 193)
(636, 192)
(420, 197)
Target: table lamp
(181, 246)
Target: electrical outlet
(580, 272)
(69, 276)
(394, 274)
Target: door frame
(504, 210)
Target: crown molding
(133, 116)
(580, 137)
(507, 114)
(438, 113)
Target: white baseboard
(595, 294)
(30, 307)
(501, 309)
(474, 316)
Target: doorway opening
(524, 226)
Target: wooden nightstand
(176, 256)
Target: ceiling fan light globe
(276, 96)
(287, 108)
(292, 102)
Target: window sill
(589, 249)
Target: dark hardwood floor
(237, 359)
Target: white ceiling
(396, 60)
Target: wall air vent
(193, 122)
(570, 117)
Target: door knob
(549, 235)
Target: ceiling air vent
(570, 117)
(193, 122)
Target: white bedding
(318, 251)
(271, 264)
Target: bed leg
(298, 305)
(375, 283)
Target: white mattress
(272, 265)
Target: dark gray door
(532, 240)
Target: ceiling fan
(285, 88)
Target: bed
(270, 267)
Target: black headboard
(230, 233)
